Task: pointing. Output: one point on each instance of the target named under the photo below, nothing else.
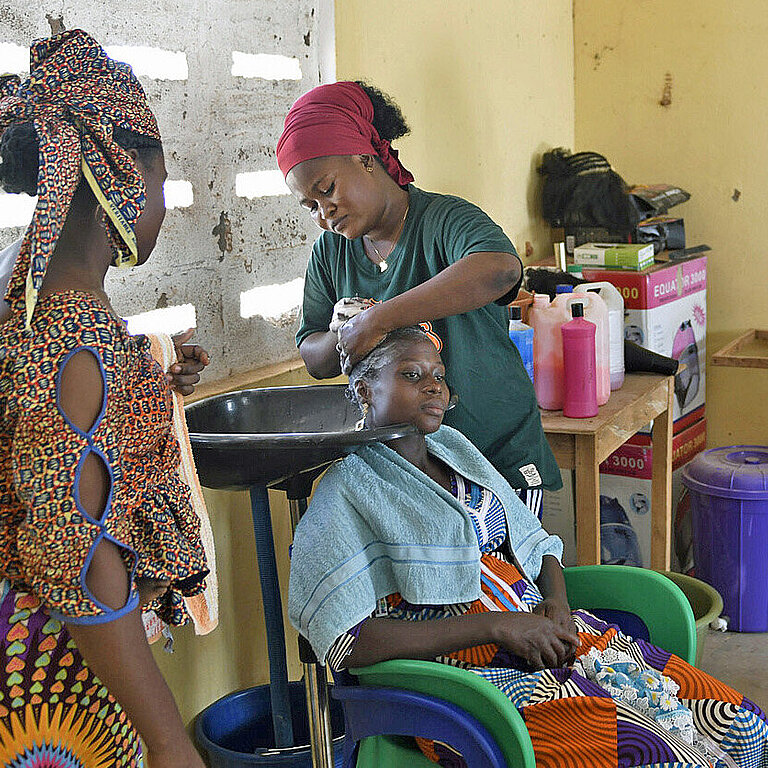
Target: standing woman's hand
(192, 358)
(358, 336)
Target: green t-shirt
(497, 407)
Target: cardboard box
(665, 310)
(558, 515)
(635, 256)
(625, 504)
(625, 501)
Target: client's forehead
(416, 350)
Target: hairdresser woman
(412, 257)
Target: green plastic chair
(653, 598)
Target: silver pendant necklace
(382, 261)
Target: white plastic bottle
(611, 295)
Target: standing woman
(412, 257)
(94, 519)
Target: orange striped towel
(203, 608)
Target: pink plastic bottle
(579, 365)
(546, 320)
(596, 311)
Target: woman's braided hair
(388, 118)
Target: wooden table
(581, 444)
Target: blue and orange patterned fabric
(46, 537)
(54, 712)
(75, 95)
(577, 718)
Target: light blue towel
(378, 525)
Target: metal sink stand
(298, 489)
(281, 438)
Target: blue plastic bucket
(729, 512)
(236, 730)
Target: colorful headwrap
(75, 95)
(335, 119)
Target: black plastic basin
(263, 436)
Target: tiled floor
(739, 659)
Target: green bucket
(705, 601)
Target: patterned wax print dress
(623, 703)
(53, 710)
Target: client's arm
(537, 639)
(551, 583)
(555, 605)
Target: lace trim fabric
(651, 693)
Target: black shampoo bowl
(263, 436)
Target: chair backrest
(478, 697)
(651, 597)
(405, 713)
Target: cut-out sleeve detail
(59, 536)
(48, 533)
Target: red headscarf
(335, 119)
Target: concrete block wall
(215, 126)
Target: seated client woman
(419, 549)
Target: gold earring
(361, 424)
(369, 166)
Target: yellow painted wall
(710, 140)
(485, 86)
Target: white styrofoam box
(625, 501)
(665, 310)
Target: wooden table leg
(587, 481)
(661, 486)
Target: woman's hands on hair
(191, 359)
(358, 336)
(345, 309)
(537, 639)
